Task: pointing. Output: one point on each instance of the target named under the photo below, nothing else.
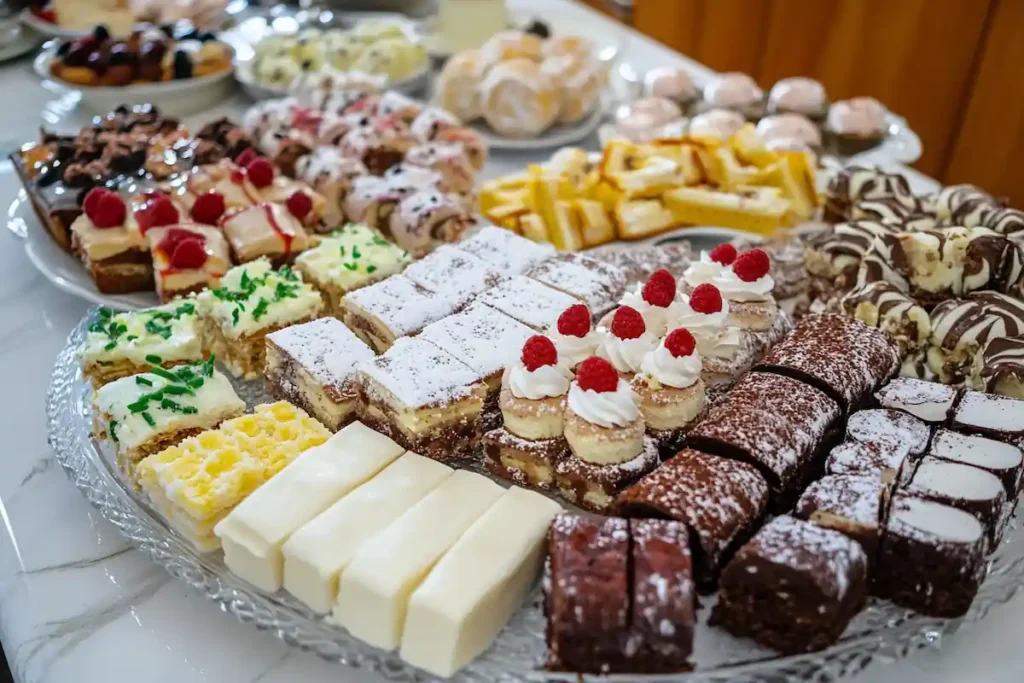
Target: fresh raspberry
(627, 323)
(299, 204)
(680, 343)
(172, 238)
(538, 351)
(752, 265)
(724, 254)
(208, 207)
(189, 254)
(110, 211)
(574, 321)
(261, 172)
(247, 156)
(660, 289)
(158, 212)
(706, 299)
(597, 374)
(92, 199)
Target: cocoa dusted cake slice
(773, 422)
(721, 501)
(968, 488)
(928, 401)
(424, 398)
(849, 503)
(890, 461)
(1001, 459)
(889, 427)
(394, 308)
(932, 557)
(996, 417)
(597, 284)
(793, 588)
(315, 367)
(840, 356)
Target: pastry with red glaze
(110, 242)
(187, 258)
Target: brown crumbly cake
(381, 313)
(597, 284)
(593, 486)
(424, 398)
(314, 366)
(524, 462)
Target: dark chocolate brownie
(722, 501)
(1001, 459)
(849, 503)
(794, 587)
(932, 557)
(961, 486)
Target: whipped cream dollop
(625, 355)
(735, 289)
(606, 409)
(679, 372)
(682, 315)
(547, 381)
(655, 317)
(573, 350)
(703, 271)
(721, 343)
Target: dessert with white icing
(626, 342)
(968, 488)
(598, 285)
(669, 385)
(264, 230)
(928, 401)
(710, 266)
(996, 417)
(852, 504)
(725, 350)
(505, 251)
(653, 301)
(1001, 459)
(528, 301)
(449, 269)
(396, 307)
(425, 219)
(747, 285)
(187, 258)
(573, 335)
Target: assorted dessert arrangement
(521, 84)
(374, 47)
(122, 16)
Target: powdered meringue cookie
(736, 91)
(791, 130)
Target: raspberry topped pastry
(723, 348)
(627, 341)
(748, 286)
(187, 258)
(710, 265)
(669, 383)
(653, 300)
(108, 240)
(573, 335)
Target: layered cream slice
(669, 383)
(109, 241)
(187, 258)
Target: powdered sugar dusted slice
(1001, 459)
(850, 504)
(505, 250)
(396, 307)
(451, 270)
(928, 401)
(969, 488)
(932, 557)
(891, 427)
(416, 374)
(528, 301)
(876, 457)
(480, 337)
(599, 285)
(721, 500)
(595, 487)
(996, 417)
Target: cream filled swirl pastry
(573, 335)
(626, 342)
(653, 300)
(533, 390)
(710, 265)
(748, 279)
(601, 398)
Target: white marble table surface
(78, 605)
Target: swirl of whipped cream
(655, 317)
(703, 271)
(735, 289)
(683, 316)
(547, 381)
(625, 354)
(671, 371)
(722, 343)
(608, 409)
(573, 350)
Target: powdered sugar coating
(453, 271)
(325, 348)
(506, 251)
(998, 416)
(859, 457)
(480, 337)
(890, 427)
(613, 478)
(933, 523)
(400, 305)
(928, 401)
(857, 498)
(417, 374)
(528, 301)
(599, 285)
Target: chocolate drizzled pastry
(965, 205)
(854, 184)
(836, 254)
(1000, 368)
(963, 328)
(882, 305)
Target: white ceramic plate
(61, 268)
(25, 41)
(179, 98)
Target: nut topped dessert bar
(122, 344)
(198, 482)
(505, 251)
(143, 414)
(424, 398)
(347, 259)
(597, 284)
(393, 308)
(253, 301)
(315, 366)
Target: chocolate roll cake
(996, 417)
(999, 369)
(965, 487)
(850, 504)
(1001, 459)
(885, 459)
(844, 358)
(794, 587)
(773, 422)
(722, 501)
(932, 557)
(928, 401)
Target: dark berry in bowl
(182, 65)
(539, 29)
(97, 61)
(101, 34)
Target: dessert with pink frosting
(670, 388)
(856, 125)
(606, 434)
(798, 95)
(187, 258)
(626, 341)
(747, 285)
(716, 123)
(789, 132)
(735, 91)
(574, 336)
(532, 402)
(650, 118)
(673, 84)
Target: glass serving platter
(881, 632)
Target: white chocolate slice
(253, 533)
(374, 590)
(316, 554)
(468, 597)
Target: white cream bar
(253, 533)
(470, 595)
(374, 590)
(317, 553)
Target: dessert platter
(73, 18)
